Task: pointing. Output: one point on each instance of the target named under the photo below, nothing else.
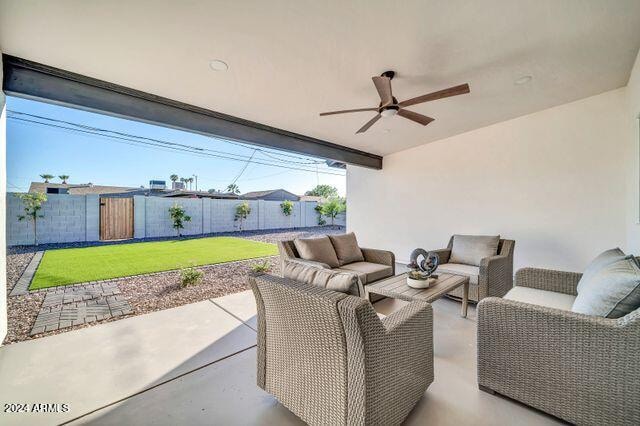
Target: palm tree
(189, 181)
(233, 188)
(173, 178)
(46, 177)
(64, 178)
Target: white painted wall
(633, 181)
(555, 181)
(3, 208)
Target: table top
(397, 288)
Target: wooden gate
(116, 218)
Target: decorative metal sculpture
(424, 261)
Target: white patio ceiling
(291, 59)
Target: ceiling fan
(389, 105)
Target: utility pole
(196, 176)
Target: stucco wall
(633, 177)
(554, 181)
(3, 209)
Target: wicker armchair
(580, 368)
(328, 358)
(494, 277)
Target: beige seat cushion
(346, 247)
(471, 249)
(459, 269)
(368, 272)
(318, 250)
(550, 299)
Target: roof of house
(199, 194)
(81, 189)
(261, 194)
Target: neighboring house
(200, 194)
(271, 195)
(123, 191)
(78, 189)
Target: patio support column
(92, 217)
(139, 216)
(303, 213)
(3, 212)
(261, 214)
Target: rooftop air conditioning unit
(157, 184)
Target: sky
(125, 159)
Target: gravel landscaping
(146, 293)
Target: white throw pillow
(612, 292)
(601, 260)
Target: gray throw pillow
(471, 249)
(601, 260)
(347, 248)
(317, 249)
(342, 282)
(611, 292)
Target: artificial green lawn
(77, 265)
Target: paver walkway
(22, 286)
(65, 307)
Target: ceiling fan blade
(344, 111)
(369, 124)
(383, 86)
(440, 94)
(414, 116)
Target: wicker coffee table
(396, 287)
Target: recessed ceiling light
(523, 80)
(218, 65)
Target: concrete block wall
(76, 218)
(158, 223)
(67, 218)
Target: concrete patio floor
(195, 364)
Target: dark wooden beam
(27, 79)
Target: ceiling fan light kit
(389, 105)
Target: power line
(243, 169)
(162, 145)
(98, 129)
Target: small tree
(333, 208)
(46, 177)
(242, 212)
(287, 209)
(179, 217)
(64, 178)
(189, 181)
(174, 178)
(32, 205)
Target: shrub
(179, 217)
(287, 209)
(333, 208)
(190, 276)
(261, 268)
(242, 212)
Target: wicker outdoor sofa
(581, 368)
(331, 360)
